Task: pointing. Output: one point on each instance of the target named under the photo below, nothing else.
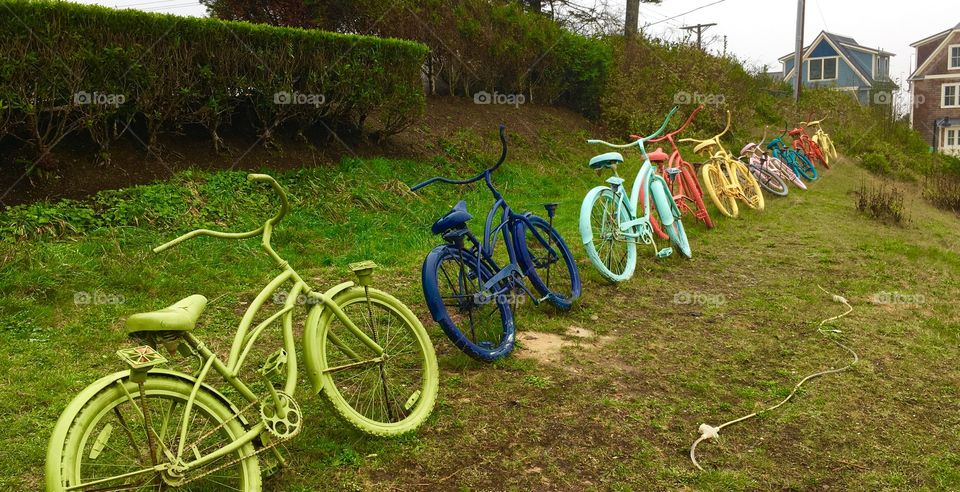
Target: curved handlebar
(640, 140)
(715, 140)
(675, 132)
(441, 179)
(813, 123)
(284, 208)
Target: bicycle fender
(311, 337)
(666, 207)
(586, 233)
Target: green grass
(619, 415)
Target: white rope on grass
(710, 432)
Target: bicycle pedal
(274, 364)
(140, 359)
(364, 271)
(665, 252)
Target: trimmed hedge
(162, 72)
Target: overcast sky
(758, 31)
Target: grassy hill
(615, 410)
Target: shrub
(167, 72)
(943, 190)
(883, 202)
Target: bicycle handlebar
(640, 140)
(675, 132)
(284, 208)
(813, 123)
(441, 179)
(715, 140)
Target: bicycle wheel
(715, 183)
(824, 151)
(786, 173)
(479, 325)
(611, 250)
(769, 180)
(806, 167)
(386, 395)
(752, 194)
(103, 436)
(816, 153)
(547, 261)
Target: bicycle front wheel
(385, 394)
(477, 320)
(113, 436)
(613, 252)
(806, 167)
(769, 180)
(715, 183)
(546, 260)
(752, 194)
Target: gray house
(841, 63)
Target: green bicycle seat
(609, 159)
(181, 316)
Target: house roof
(843, 45)
(942, 36)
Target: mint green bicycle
(150, 428)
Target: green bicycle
(149, 428)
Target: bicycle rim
(610, 247)
(548, 263)
(714, 182)
(753, 195)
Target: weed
(883, 202)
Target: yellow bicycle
(822, 139)
(725, 178)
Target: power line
(687, 12)
(700, 28)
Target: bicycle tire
(407, 379)
(714, 181)
(752, 193)
(83, 439)
(537, 267)
(807, 167)
(665, 206)
(769, 181)
(496, 340)
(614, 210)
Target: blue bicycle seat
(456, 217)
(606, 160)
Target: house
(840, 62)
(935, 90)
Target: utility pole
(632, 19)
(724, 45)
(700, 28)
(798, 57)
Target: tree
(632, 19)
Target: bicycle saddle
(456, 217)
(181, 316)
(658, 155)
(606, 160)
(748, 148)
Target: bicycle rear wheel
(478, 322)
(546, 260)
(715, 183)
(613, 252)
(384, 395)
(104, 436)
(691, 189)
(806, 167)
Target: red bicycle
(802, 142)
(681, 176)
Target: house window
(954, 59)
(951, 96)
(951, 141)
(882, 69)
(822, 69)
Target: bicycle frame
(644, 176)
(510, 274)
(246, 338)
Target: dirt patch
(548, 347)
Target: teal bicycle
(152, 428)
(613, 222)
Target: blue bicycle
(798, 161)
(469, 295)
